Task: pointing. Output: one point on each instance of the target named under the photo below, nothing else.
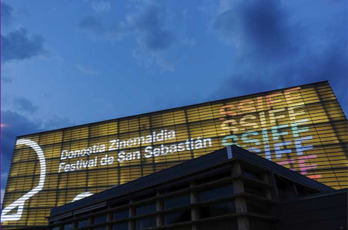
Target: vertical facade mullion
(188, 131)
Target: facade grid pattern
(302, 128)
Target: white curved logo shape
(81, 196)
(20, 202)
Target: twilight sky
(70, 62)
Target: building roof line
(190, 167)
(171, 109)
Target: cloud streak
(18, 45)
(98, 30)
(24, 105)
(255, 27)
(148, 25)
(87, 70)
(101, 6)
(15, 125)
(6, 14)
(281, 43)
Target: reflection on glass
(82, 223)
(219, 225)
(100, 228)
(253, 175)
(214, 193)
(254, 190)
(121, 214)
(144, 223)
(177, 217)
(177, 202)
(146, 209)
(220, 209)
(253, 206)
(120, 226)
(100, 219)
(68, 226)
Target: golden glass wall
(302, 128)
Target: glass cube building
(302, 128)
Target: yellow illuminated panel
(302, 128)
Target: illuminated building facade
(302, 128)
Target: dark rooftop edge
(190, 167)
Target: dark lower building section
(227, 189)
(320, 212)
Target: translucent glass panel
(302, 128)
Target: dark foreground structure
(228, 189)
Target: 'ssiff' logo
(19, 204)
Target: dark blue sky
(71, 62)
